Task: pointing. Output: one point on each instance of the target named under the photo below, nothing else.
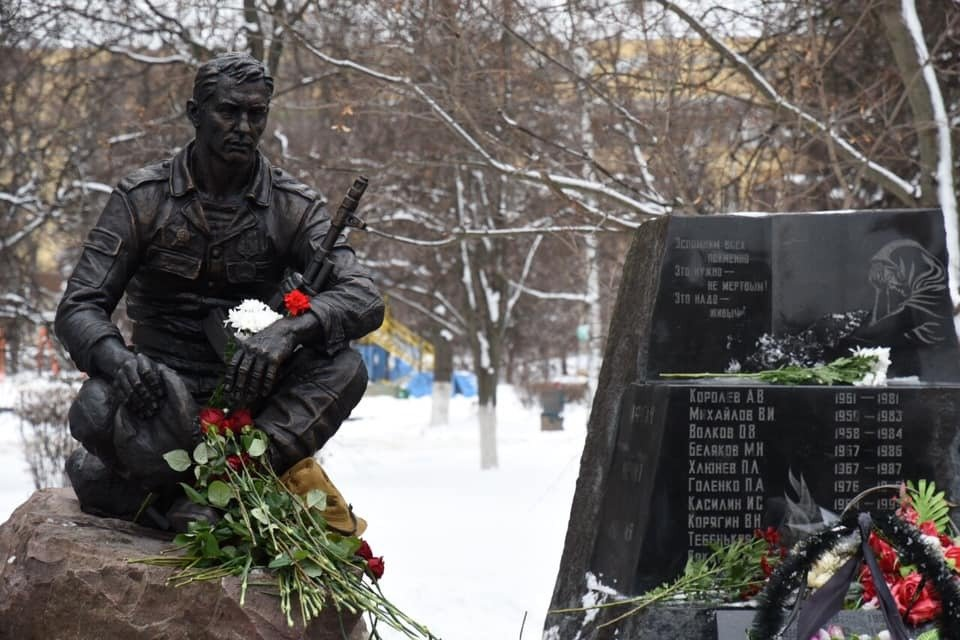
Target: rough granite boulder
(66, 575)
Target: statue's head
(229, 107)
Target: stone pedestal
(67, 575)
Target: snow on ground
(467, 552)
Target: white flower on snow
(249, 317)
(881, 362)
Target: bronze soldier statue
(193, 235)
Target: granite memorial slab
(670, 467)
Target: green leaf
(258, 513)
(932, 634)
(201, 453)
(931, 505)
(178, 459)
(316, 498)
(282, 560)
(257, 448)
(300, 554)
(193, 494)
(312, 569)
(209, 545)
(219, 493)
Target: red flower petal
(364, 551)
(296, 302)
(376, 567)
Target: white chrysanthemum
(828, 564)
(249, 317)
(881, 362)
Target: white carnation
(249, 317)
(881, 362)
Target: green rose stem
(728, 570)
(266, 525)
(847, 370)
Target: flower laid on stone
(265, 526)
(926, 509)
(863, 367)
(268, 524)
(917, 551)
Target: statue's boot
(103, 492)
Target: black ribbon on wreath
(817, 610)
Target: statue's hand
(139, 385)
(134, 376)
(253, 369)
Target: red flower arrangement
(904, 580)
(296, 302)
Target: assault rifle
(314, 278)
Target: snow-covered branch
(946, 194)
(527, 265)
(901, 188)
(148, 59)
(445, 322)
(551, 295)
(575, 185)
(458, 235)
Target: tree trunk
(442, 380)
(487, 417)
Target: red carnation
(296, 302)
(770, 534)
(364, 551)
(210, 417)
(375, 565)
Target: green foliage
(178, 459)
(729, 573)
(841, 371)
(265, 526)
(930, 504)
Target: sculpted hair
(240, 67)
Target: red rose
(364, 551)
(296, 302)
(886, 555)
(236, 462)
(928, 528)
(926, 608)
(375, 565)
(210, 417)
(238, 420)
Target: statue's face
(231, 121)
